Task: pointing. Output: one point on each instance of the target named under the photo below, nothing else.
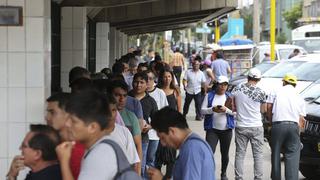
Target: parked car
(263, 67)
(305, 67)
(310, 137)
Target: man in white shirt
(193, 80)
(89, 116)
(249, 104)
(288, 109)
(160, 97)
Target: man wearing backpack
(195, 159)
(89, 117)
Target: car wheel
(309, 171)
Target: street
(197, 126)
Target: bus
(308, 37)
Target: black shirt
(49, 173)
(149, 106)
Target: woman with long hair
(164, 155)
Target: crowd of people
(138, 104)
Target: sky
(246, 2)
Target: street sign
(203, 30)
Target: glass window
(308, 72)
(312, 92)
(281, 69)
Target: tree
(246, 13)
(281, 38)
(291, 16)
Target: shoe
(224, 176)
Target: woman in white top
(219, 120)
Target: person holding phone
(219, 120)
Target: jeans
(197, 103)
(285, 136)
(151, 153)
(224, 136)
(144, 158)
(242, 136)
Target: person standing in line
(177, 64)
(119, 89)
(38, 154)
(88, 125)
(219, 121)
(250, 102)
(160, 97)
(149, 57)
(149, 106)
(57, 117)
(193, 80)
(286, 109)
(195, 159)
(166, 155)
(220, 66)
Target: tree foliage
(292, 15)
(281, 38)
(247, 14)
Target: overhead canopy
(146, 16)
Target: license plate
(318, 146)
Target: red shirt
(76, 157)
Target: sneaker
(198, 119)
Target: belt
(285, 122)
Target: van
(282, 51)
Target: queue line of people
(138, 104)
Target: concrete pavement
(197, 126)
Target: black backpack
(125, 171)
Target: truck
(308, 37)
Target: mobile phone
(219, 106)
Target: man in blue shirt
(195, 160)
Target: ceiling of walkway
(145, 16)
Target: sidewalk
(197, 126)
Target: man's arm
(16, 166)
(263, 107)
(269, 112)
(138, 144)
(64, 154)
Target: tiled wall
(24, 75)
(118, 44)
(102, 46)
(73, 41)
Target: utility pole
(256, 21)
(272, 28)
(217, 31)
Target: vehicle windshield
(263, 67)
(312, 92)
(308, 72)
(310, 45)
(284, 53)
(281, 69)
(317, 100)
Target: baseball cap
(290, 78)
(254, 73)
(222, 79)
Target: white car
(305, 67)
